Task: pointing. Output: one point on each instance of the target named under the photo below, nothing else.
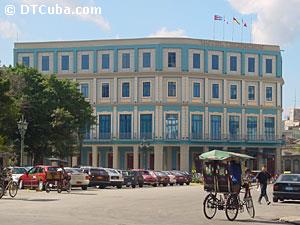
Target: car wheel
(154, 185)
(84, 187)
(165, 184)
(187, 183)
(275, 199)
(127, 185)
(101, 186)
(133, 186)
(141, 185)
(119, 186)
(171, 184)
(181, 184)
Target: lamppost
(145, 146)
(22, 126)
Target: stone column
(278, 159)
(74, 160)
(184, 158)
(94, 156)
(135, 156)
(115, 157)
(158, 157)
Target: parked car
(188, 177)
(78, 178)
(180, 177)
(130, 178)
(172, 178)
(162, 178)
(286, 187)
(148, 177)
(35, 177)
(17, 172)
(103, 177)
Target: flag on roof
(235, 20)
(217, 17)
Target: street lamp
(22, 126)
(145, 146)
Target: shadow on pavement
(32, 200)
(290, 202)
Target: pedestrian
(262, 179)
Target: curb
(291, 219)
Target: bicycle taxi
(223, 195)
(57, 178)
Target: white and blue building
(160, 102)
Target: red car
(148, 177)
(180, 177)
(35, 177)
(162, 178)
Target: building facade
(160, 102)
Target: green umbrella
(222, 155)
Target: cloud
(99, 20)
(164, 32)
(8, 30)
(277, 21)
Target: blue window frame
(85, 62)
(269, 93)
(251, 65)
(45, 63)
(233, 63)
(215, 62)
(125, 90)
(197, 126)
(146, 89)
(269, 65)
(104, 126)
(65, 62)
(252, 127)
(215, 90)
(105, 90)
(105, 61)
(171, 126)
(269, 128)
(233, 91)
(234, 127)
(85, 90)
(171, 59)
(146, 126)
(196, 60)
(196, 90)
(146, 59)
(251, 93)
(26, 61)
(215, 127)
(125, 126)
(125, 60)
(171, 89)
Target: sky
(268, 22)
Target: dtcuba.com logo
(23, 9)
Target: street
(140, 206)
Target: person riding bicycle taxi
(235, 172)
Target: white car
(172, 177)
(78, 178)
(17, 172)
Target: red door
(110, 160)
(129, 160)
(151, 161)
(90, 159)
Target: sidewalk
(291, 219)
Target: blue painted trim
(243, 63)
(224, 62)
(260, 65)
(215, 109)
(205, 61)
(116, 60)
(278, 66)
(172, 108)
(75, 61)
(95, 62)
(55, 62)
(35, 59)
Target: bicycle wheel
(210, 206)
(232, 207)
(250, 207)
(47, 187)
(68, 186)
(2, 190)
(13, 189)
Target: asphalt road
(141, 206)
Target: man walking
(262, 179)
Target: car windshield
(125, 173)
(293, 178)
(70, 170)
(113, 171)
(19, 170)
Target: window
(234, 126)
(196, 61)
(25, 61)
(269, 93)
(105, 126)
(196, 90)
(105, 61)
(146, 89)
(105, 90)
(251, 93)
(125, 126)
(268, 65)
(215, 90)
(197, 128)
(45, 63)
(125, 60)
(233, 63)
(251, 65)
(215, 127)
(146, 126)
(233, 91)
(85, 90)
(215, 62)
(171, 59)
(85, 62)
(269, 128)
(252, 127)
(171, 126)
(65, 63)
(87, 132)
(146, 59)
(125, 90)
(172, 89)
